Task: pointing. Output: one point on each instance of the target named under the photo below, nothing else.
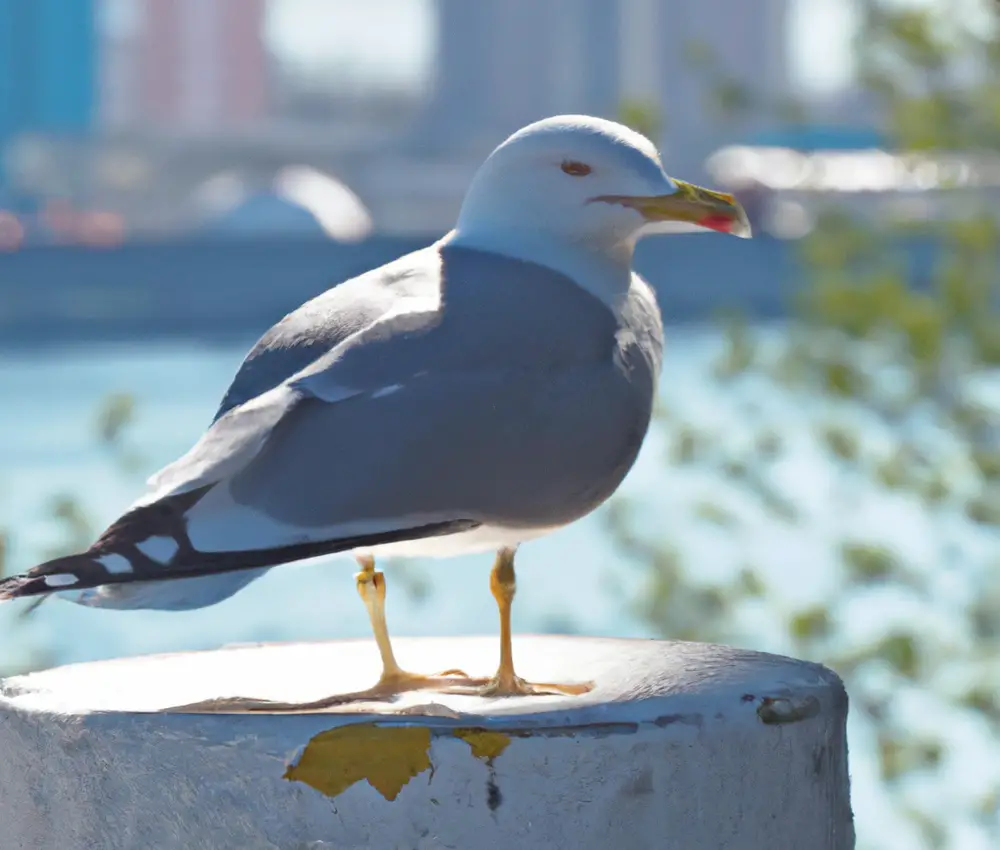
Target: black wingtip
(52, 576)
(90, 569)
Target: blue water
(571, 580)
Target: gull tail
(150, 544)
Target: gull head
(575, 179)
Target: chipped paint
(387, 757)
(792, 709)
(690, 719)
(484, 744)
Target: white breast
(486, 538)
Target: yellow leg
(371, 589)
(393, 679)
(506, 683)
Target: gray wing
(524, 405)
(492, 392)
(326, 321)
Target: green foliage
(868, 562)
(888, 358)
(69, 514)
(726, 97)
(842, 441)
(411, 579)
(740, 350)
(643, 116)
(810, 624)
(714, 513)
(114, 416)
(768, 444)
(985, 508)
(687, 445)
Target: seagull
(468, 397)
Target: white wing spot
(393, 388)
(159, 549)
(115, 563)
(61, 580)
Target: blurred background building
(127, 112)
(41, 41)
(184, 67)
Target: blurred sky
(388, 41)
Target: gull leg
(371, 589)
(393, 680)
(506, 683)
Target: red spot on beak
(720, 223)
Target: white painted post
(679, 746)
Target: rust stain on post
(387, 757)
(484, 744)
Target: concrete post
(679, 746)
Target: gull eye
(576, 169)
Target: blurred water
(571, 580)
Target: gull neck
(604, 273)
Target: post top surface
(635, 680)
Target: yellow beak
(692, 204)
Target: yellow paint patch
(484, 744)
(388, 757)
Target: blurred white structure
(789, 186)
(299, 200)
